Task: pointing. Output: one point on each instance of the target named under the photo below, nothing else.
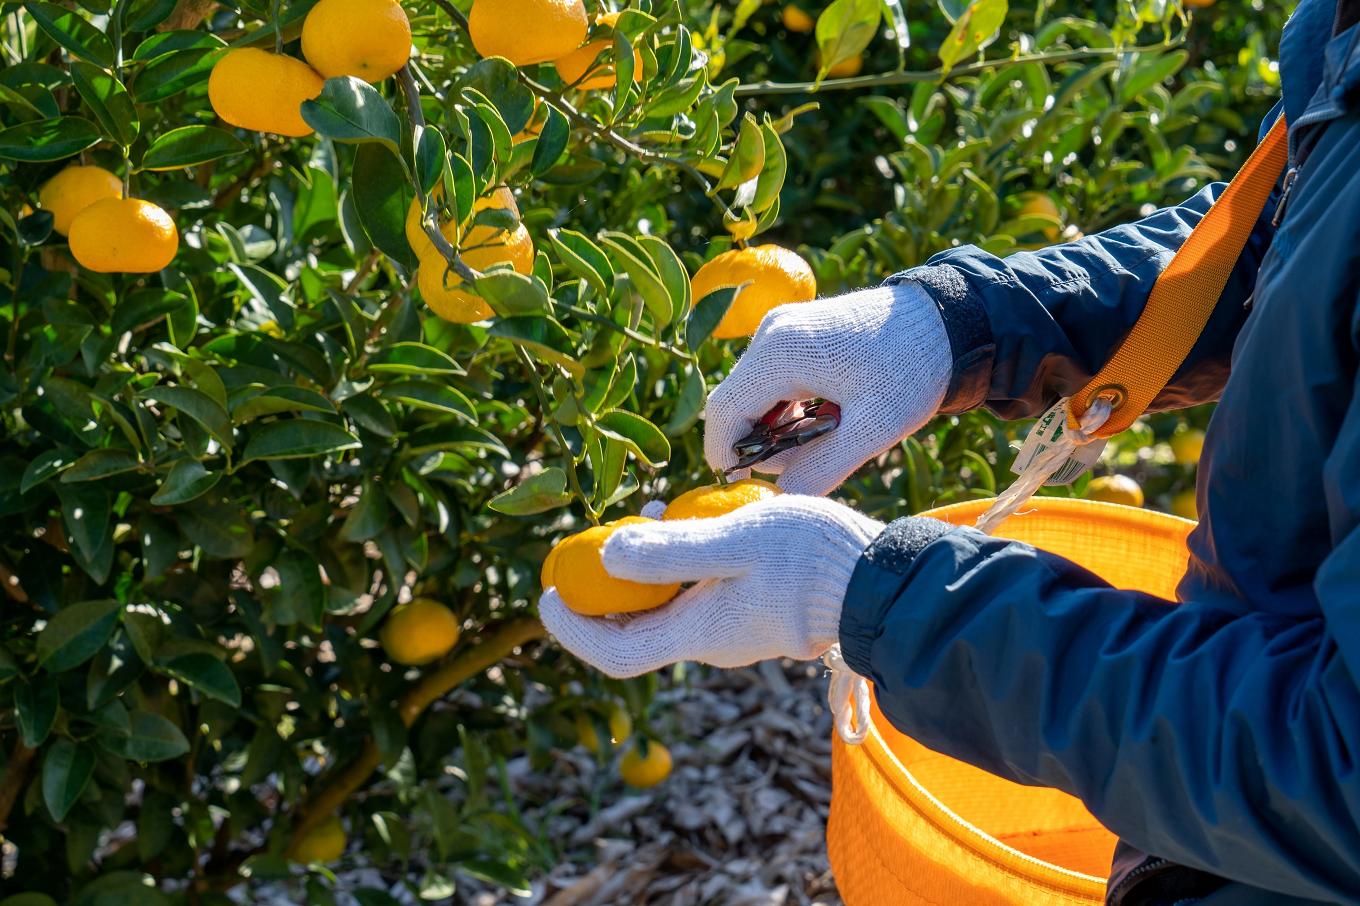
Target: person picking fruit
(1215, 737)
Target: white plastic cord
(849, 692)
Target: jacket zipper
(1286, 187)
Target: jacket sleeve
(1035, 326)
(1221, 739)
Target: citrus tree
(323, 320)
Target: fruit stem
(450, 254)
(907, 77)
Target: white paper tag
(1049, 430)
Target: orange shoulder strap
(1184, 297)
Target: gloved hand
(882, 354)
(771, 580)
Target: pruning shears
(791, 423)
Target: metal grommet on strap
(1114, 394)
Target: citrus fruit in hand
(1185, 505)
(323, 843)
(1034, 204)
(420, 631)
(75, 189)
(481, 247)
(718, 499)
(586, 587)
(774, 276)
(368, 39)
(645, 770)
(620, 728)
(1187, 445)
(124, 236)
(527, 31)
(1115, 489)
(262, 91)
(797, 20)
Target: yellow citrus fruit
(620, 728)
(585, 59)
(797, 20)
(368, 39)
(501, 199)
(643, 771)
(123, 236)
(586, 587)
(1187, 445)
(420, 631)
(1199, 4)
(1040, 204)
(262, 91)
(527, 31)
(718, 499)
(775, 276)
(1115, 489)
(482, 247)
(75, 189)
(845, 68)
(1185, 505)
(545, 573)
(323, 843)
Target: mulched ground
(740, 822)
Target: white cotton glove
(882, 354)
(771, 580)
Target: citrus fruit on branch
(768, 275)
(643, 768)
(262, 91)
(718, 499)
(419, 632)
(576, 569)
(75, 189)
(527, 31)
(367, 39)
(124, 236)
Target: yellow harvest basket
(911, 826)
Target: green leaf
(108, 100)
(431, 396)
(198, 406)
(43, 467)
(432, 157)
(35, 705)
(542, 336)
(102, 463)
(629, 256)
(771, 179)
(412, 358)
(498, 81)
(50, 139)
(205, 674)
(368, 517)
(85, 512)
(551, 142)
(642, 438)
(76, 633)
(351, 110)
(144, 15)
(748, 157)
(254, 402)
(672, 272)
(28, 899)
(1151, 71)
(510, 293)
(584, 259)
(974, 30)
(169, 74)
(162, 43)
(67, 770)
(189, 146)
(707, 313)
(844, 29)
(296, 438)
(153, 738)
(382, 194)
(187, 480)
(537, 494)
(689, 404)
(454, 437)
(73, 32)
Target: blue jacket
(1222, 736)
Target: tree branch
(16, 776)
(887, 79)
(337, 787)
(442, 245)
